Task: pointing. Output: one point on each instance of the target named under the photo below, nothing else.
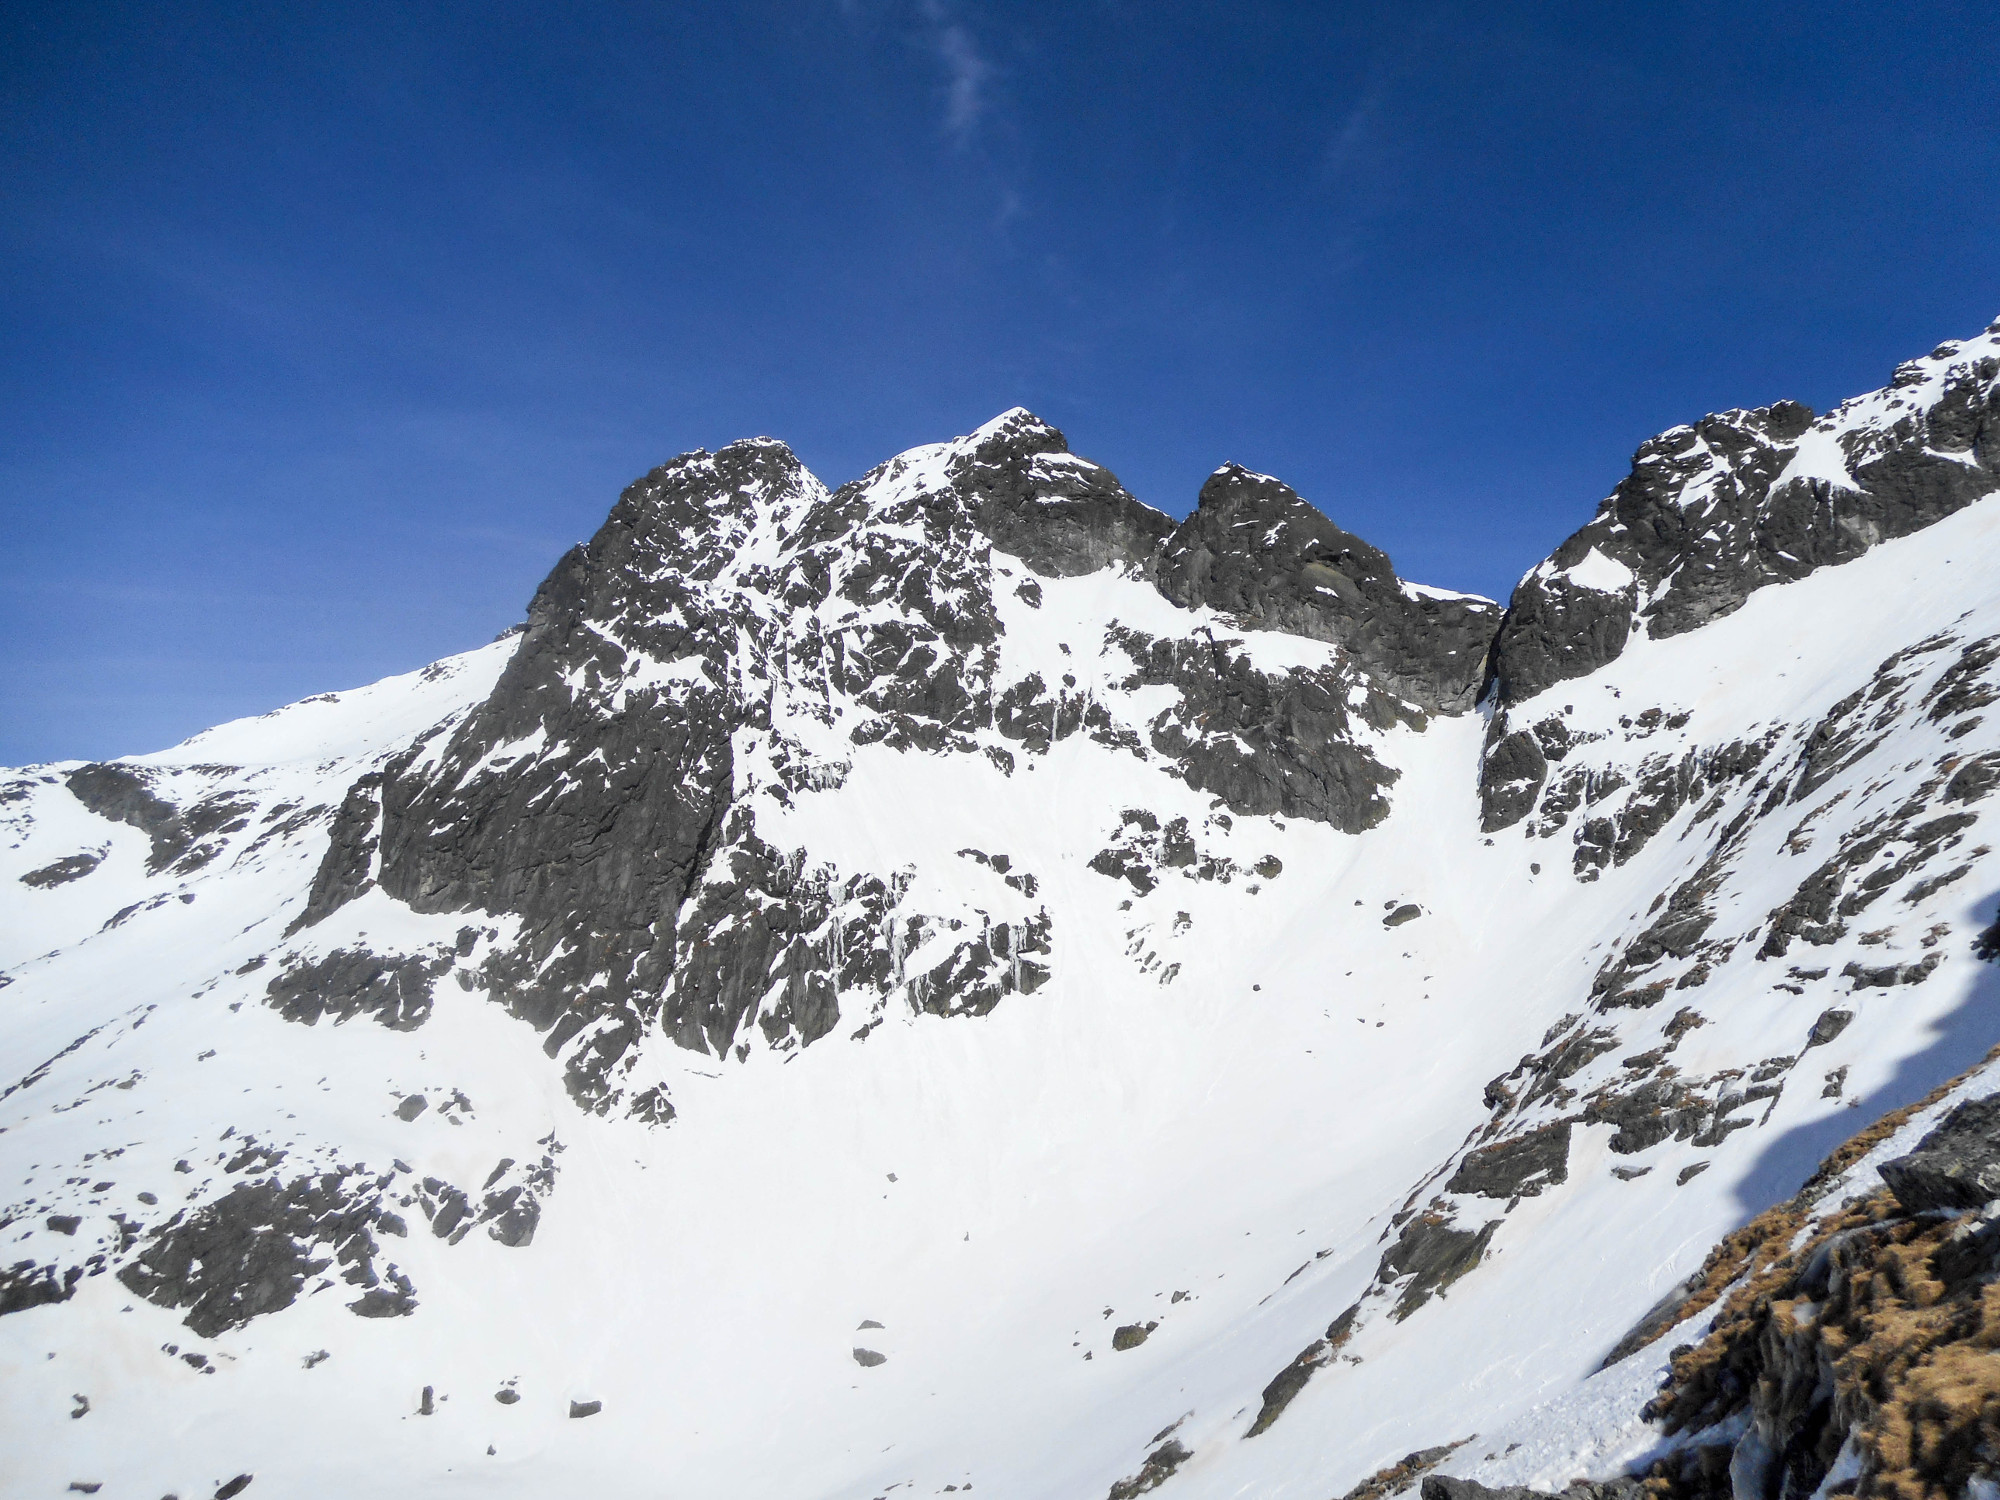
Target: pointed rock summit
(1255, 550)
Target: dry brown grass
(1906, 1337)
(1759, 1246)
(1410, 1467)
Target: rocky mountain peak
(1714, 510)
(701, 507)
(1254, 547)
(1061, 514)
(734, 631)
(1255, 550)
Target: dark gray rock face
(351, 982)
(250, 1252)
(511, 1217)
(1712, 512)
(122, 795)
(597, 794)
(594, 829)
(1443, 1487)
(1254, 550)
(1433, 1253)
(1857, 875)
(183, 838)
(1521, 1167)
(763, 931)
(62, 871)
(1886, 976)
(608, 830)
(253, 1250)
(1651, 1112)
(343, 871)
(1265, 743)
(1555, 630)
(1680, 932)
(1061, 515)
(1510, 779)
(1547, 769)
(1157, 1470)
(1956, 1166)
(27, 1284)
(1288, 1382)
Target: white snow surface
(1427, 591)
(1207, 1120)
(1603, 574)
(1819, 455)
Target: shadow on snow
(1962, 1037)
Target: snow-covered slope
(960, 981)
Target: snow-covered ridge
(1718, 509)
(345, 726)
(960, 981)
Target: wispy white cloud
(944, 34)
(1358, 142)
(1349, 143)
(967, 71)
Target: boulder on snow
(1131, 1335)
(1433, 1253)
(1521, 1167)
(868, 1359)
(62, 872)
(1884, 976)
(1956, 1166)
(1157, 1470)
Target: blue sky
(326, 328)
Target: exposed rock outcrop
(1254, 550)
(729, 612)
(1712, 512)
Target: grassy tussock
(1861, 1323)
